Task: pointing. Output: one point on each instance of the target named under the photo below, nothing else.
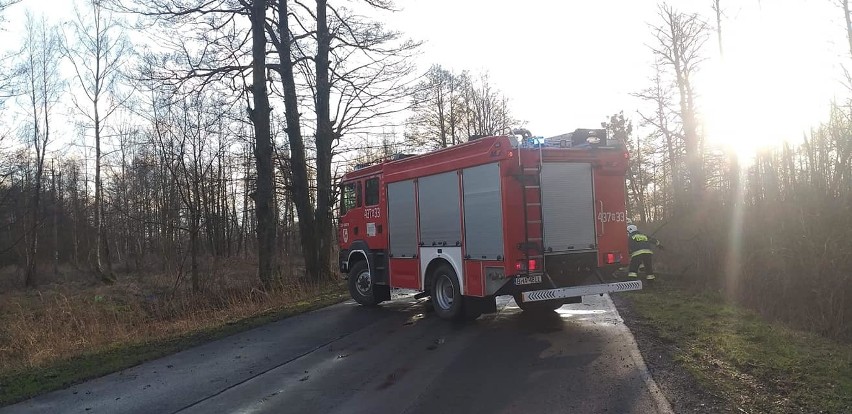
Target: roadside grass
(760, 366)
(62, 335)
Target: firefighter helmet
(631, 228)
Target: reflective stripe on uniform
(641, 251)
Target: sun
(752, 107)
(732, 116)
(772, 86)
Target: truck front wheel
(361, 284)
(446, 293)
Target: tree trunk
(193, 247)
(298, 165)
(690, 135)
(245, 225)
(263, 148)
(848, 24)
(637, 182)
(718, 10)
(100, 239)
(324, 140)
(441, 122)
(57, 205)
(30, 276)
(74, 215)
(32, 253)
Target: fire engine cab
(542, 220)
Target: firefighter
(640, 252)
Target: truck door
(568, 209)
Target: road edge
(663, 405)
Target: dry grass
(760, 366)
(40, 328)
(794, 261)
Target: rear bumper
(575, 291)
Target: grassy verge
(21, 383)
(735, 354)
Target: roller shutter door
(568, 209)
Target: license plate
(527, 280)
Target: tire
(446, 293)
(537, 307)
(361, 284)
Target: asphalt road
(393, 359)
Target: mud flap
(382, 292)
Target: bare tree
(486, 109)
(621, 129)
(717, 8)
(42, 88)
(7, 75)
(663, 121)
(232, 55)
(283, 42)
(359, 71)
(437, 109)
(183, 131)
(5, 4)
(8, 78)
(844, 4)
(680, 41)
(259, 114)
(97, 48)
(446, 104)
(336, 72)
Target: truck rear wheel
(446, 293)
(361, 286)
(540, 306)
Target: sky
(569, 64)
(564, 65)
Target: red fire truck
(541, 220)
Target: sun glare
(752, 107)
(772, 86)
(739, 116)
